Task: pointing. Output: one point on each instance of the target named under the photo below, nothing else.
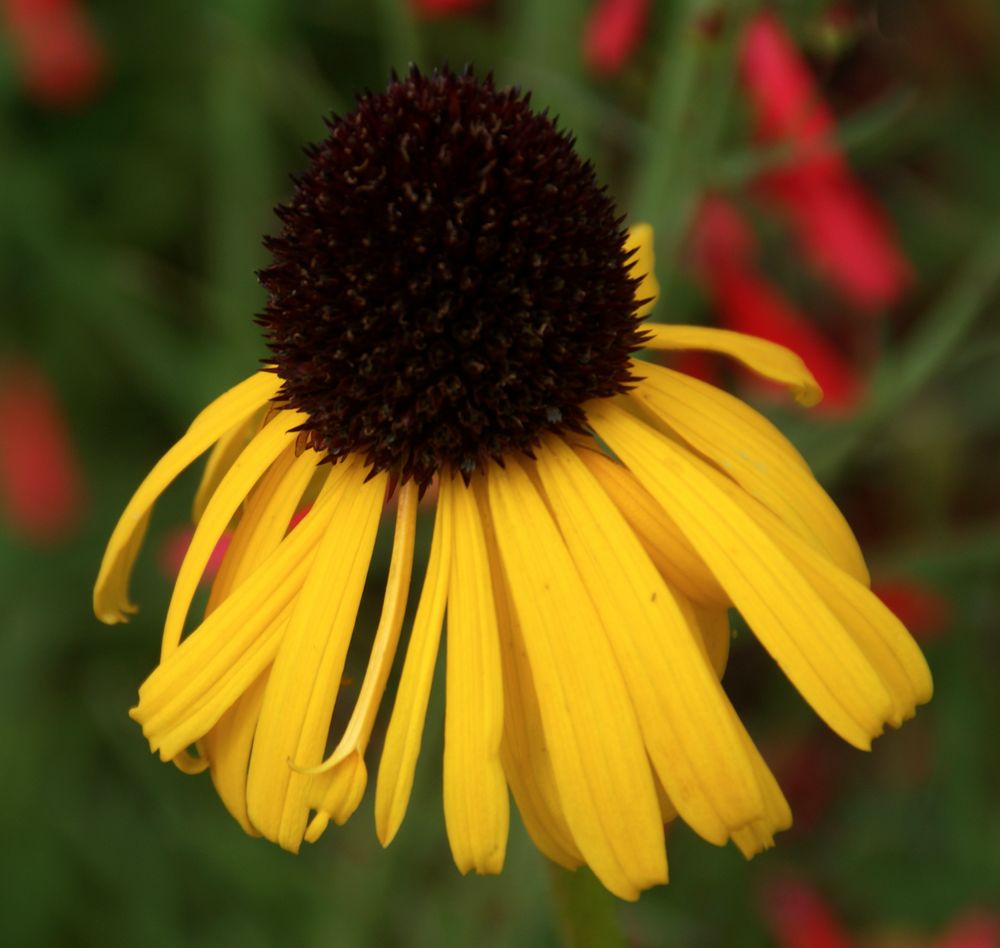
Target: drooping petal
(406, 726)
(683, 713)
(339, 778)
(756, 455)
(308, 668)
(111, 600)
(713, 628)
(884, 640)
(220, 459)
(234, 488)
(261, 529)
(476, 807)
(590, 726)
(188, 692)
(670, 551)
(765, 358)
(525, 754)
(777, 600)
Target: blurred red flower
(977, 928)
(926, 613)
(431, 8)
(174, 547)
(41, 487)
(613, 31)
(724, 249)
(62, 60)
(799, 917)
(841, 231)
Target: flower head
(453, 298)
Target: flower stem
(586, 913)
(688, 110)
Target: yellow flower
(585, 570)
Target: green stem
(688, 109)
(401, 37)
(539, 48)
(928, 351)
(586, 913)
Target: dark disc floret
(450, 281)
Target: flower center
(450, 281)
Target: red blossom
(799, 917)
(174, 548)
(840, 230)
(613, 31)
(926, 613)
(724, 249)
(41, 487)
(62, 61)
(976, 928)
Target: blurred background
(824, 174)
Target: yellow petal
(683, 713)
(261, 528)
(111, 599)
(745, 445)
(815, 651)
(640, 239)
(226, 450)
(523, 750)
(673, 556)
(716, 635)
(476, 807)
(768, 359)
(234, 488)
(189, 691)
(884, 640)
(713, 627)
(309, 666)
(406, 726)
(227, 746)
(338, 778)
(601, 769)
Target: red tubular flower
(839, 228)
(614, 30)
(41, 489)
(926, 613)
(799, 917)
(62, 61)
(724, 248)
(433, 8)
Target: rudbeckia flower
(454, 300)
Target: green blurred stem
(870, 124)
(401, 39)
(926, 353)
(688, 109)
(544, 47)
(587, 914)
